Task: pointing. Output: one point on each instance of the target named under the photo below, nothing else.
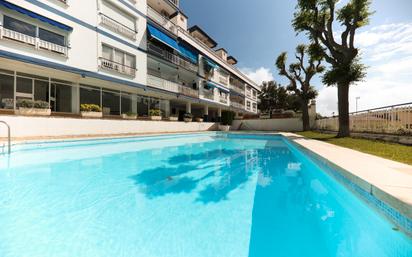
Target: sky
(255, 34)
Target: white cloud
(258, 75)
(387, 51)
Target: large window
(51, 37)
(31, 30)
(111, 103)
(19, 26)
(118, 56)
(127, 104)
(61, 96)
(89, 95)
(142, 106)
(41, 90)
(6, 91)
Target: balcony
(161, 20)
(223, 80)
(209, 95)
(117, 27)
(175, 59)
(160, 83)
(188, 91)
(237, 105)
(34, 41)
(223, 100)
(249, 94)
(175, 2)
(116, 67)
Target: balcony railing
(223, 80)
(117, 67)
(163, 21)
(237, 105)
(171, 57)
(208, 95)
(34, 41)
(188, 91)
(117, 27)
(163, 84)
(237, 89)
(175, 2)
(223, 100)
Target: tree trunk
(343, 108)
(305, 115)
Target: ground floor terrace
(65, 92)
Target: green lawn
(393, 151)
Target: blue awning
(212, 84)
(211, 63)
(186, 52)
(162, 37)
(35, 15)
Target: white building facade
(126, 56)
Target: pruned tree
(316, 19)
(302, 73)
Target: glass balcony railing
(168, 56)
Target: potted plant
(129, 116)
(30, 107)
(188, 117)
(173, 117)
(155, 114)
(198, 119)
(91, 111)
(227, 120)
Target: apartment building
(123, 55)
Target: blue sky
(257, 33)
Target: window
(51, 37)
(61, 97)
(19, 26)
(89, 95)
(41, 90)
(116, 14)
(126, 105)
(142, 106)
(118, 56)
(111, 103)
(6, 91)
(248, 104)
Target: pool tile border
(367, 192)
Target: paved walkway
(387, 180)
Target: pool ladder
(8, 136)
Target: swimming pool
(183, 195)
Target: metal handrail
(8, 135)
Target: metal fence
(394, 119)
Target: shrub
(227, 118)
(28, 103)
(155, 112)
(289, 113)
(188, 116)
(131, 114)
(90, 108)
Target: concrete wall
(22, 126)
(291, 124)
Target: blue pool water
(189, 196)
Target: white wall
(286, 125)
(22, 126)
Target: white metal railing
(163, 84)
(117, 27)
(163, 21)
(171, 57)
(395, 119)
(34, 41)
(117, 67)
(223, 80)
